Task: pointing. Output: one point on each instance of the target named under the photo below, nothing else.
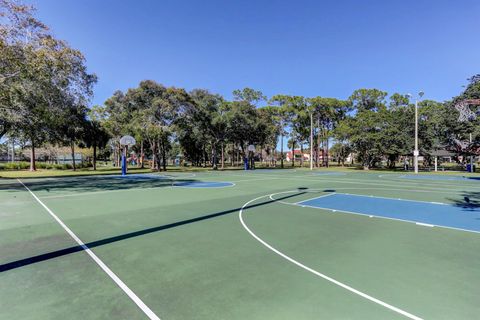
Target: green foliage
(248, 95)
(44, 84)
(45, 89)
(40, 165)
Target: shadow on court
(470, 201)
(101, 242)
(95, 183)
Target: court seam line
(148, 312)
(319, 274)
(375, 216)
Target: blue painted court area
(438, 177)
(203, 184)
(444, 215)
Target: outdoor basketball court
(265, 244)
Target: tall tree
(367, 125)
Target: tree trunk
(33, 166)
(214, 157)
(293, 153)
(326, 144)
(142, 155)
(153, 164)
(281, 152)
(164, 156)
(223, 157)
(301, 153)
(94, 156)
(119, 155)
(317, 160)
(204, 156)
(72, 147)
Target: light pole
(311, 140)
(416, 152)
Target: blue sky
(309, 48)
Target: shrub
(15, 166)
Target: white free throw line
(150, 314)
(321, 275)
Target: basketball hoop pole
(126, 141)
(124, 161)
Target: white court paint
(322, 196)
(368, 215)
(405, 183)
(424, 224)
(379, 197)
(319, 274)
(148, 312)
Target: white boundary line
(394, 183)
(231, 184)
(387, 198)
(321, 275)
(370, 215)
(322, 196)
(431, 182)
(148, 312)
(254, 180)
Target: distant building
(67, 158)
(298, 156)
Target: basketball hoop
(467, 114)
(127, 141)
(463, 107)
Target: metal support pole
(415, 152)
(436, 164)
(311, 140)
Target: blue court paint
(203, 184)
(415, 211)
(330, 174)
(438, 177)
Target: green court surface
(170, 247)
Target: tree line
(45, 90)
